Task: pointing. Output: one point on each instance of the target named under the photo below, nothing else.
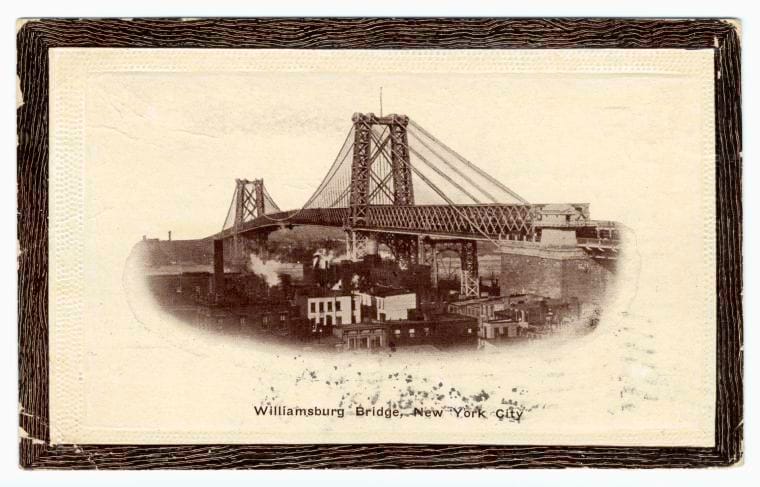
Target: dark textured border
(36, 37)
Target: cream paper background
(145, 141)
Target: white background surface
(11, 475)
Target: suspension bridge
(394, 183)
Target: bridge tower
(360, 169)
(368, 146)
(249, 200)
(249, 204)
(403, 191)
(470, 278)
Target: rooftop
(384, 293)
(465, 302)
(314, 293)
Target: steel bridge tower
(407, 249)
(361, 166)
(367, 147)
(249, 204)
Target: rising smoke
(324, 259)
(266, 269)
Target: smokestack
(218, 266)
(170, 235)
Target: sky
(178, 139)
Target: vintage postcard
(461, 245)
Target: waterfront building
(393, 304)
(331, 308)
(502, 329)
(441, 332)
(485, 308)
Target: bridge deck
(485, 222)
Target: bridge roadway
(482, 222)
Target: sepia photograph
(406, 247)
(299, 228)
(390, 251)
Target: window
(337, 305)
(329, 306)
(313, 306)
(427, 331)
(397, 333)
(469, 331)
(282, 317)
(265, 319)
(338, 320)
(321, 306)
(411, 332)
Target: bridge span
(395, 183)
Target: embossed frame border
(34, 39)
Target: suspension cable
(229, 210)
(381, 149)
(472, 166)
(269, 198)
(446, 198)
(453, 167)
(342, 195)
(325, 181)
(438, 171)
